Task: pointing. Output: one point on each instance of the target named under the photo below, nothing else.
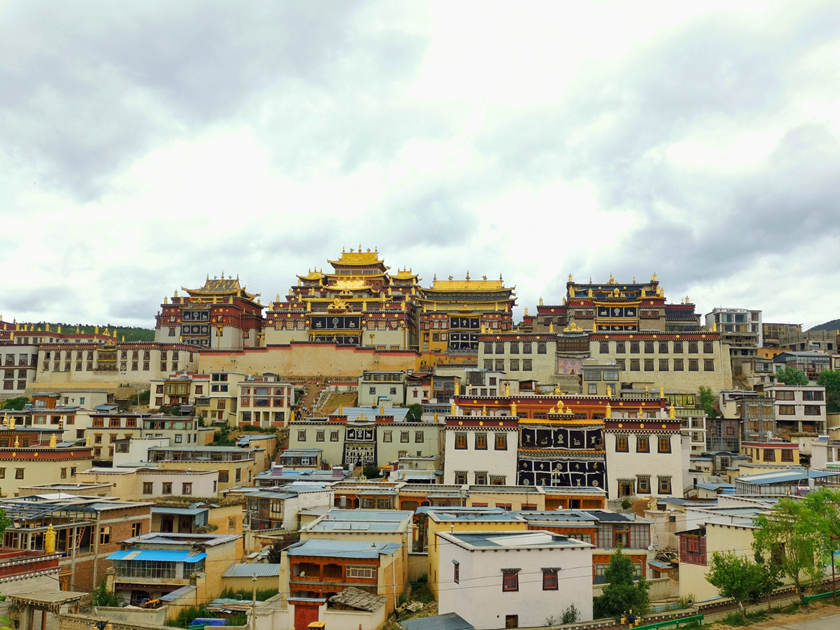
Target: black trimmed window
(510, 580)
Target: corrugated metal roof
(158, 555)
(162, 509)
(249, 569)
(449, 621)
(789, 476)
(342, 548)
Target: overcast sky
(146, 144)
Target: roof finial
(468, 276)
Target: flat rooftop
(514, 540)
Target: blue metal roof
(158, 555)
(342, 548)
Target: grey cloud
(81, 101)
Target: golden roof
(312, 275)
(222, 286)
(349, 285)
(404, 274)
(358, 258)
(468, 285)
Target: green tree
(371, 472)
(623, 592)
(275, 553)
(789, 537)
(709, 402)
(791, 376)
(823, 509)
(15, 404)
(740, 578)
(415, 413)
(103, 597)
(830, 379)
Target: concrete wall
(472, 460)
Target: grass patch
(738, 620)
(262, 594)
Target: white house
(645, 457)
(513, 579)
(480, 450)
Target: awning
(158, 555)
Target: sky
(144, 145)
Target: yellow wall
(308, 360)
(226, 518)
(39, 472)
(246, 476)
(756, 455)
(719, 539)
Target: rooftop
(517, 540)
(249, 569)
(159, 538)
(342, 548)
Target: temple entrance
(625, 487)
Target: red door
(305, 614)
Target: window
(501, 442)
(104, 535)
(664, 444)
(708, 348)
(809, 395)
(481, 478)
(678, 365)
(648, 365)
(787, 455)
(693, 365)
(635, 365)
(604, 347)
(812, 410)
(333, 436)
(500, 365)
(592, 388)
(178, 438)
(621, 444)
(621, 365)
(319, 436)
(648, 347)
(663, 365)
(692, 347)
(620, 347)
(527, 365)
(642, 444)
(643, 484)
(526, 347)
(167, 487)
(136, 529)
(787, 410)
(621, 537)
(302, 435)
(361, 572)
(514, 365)
(2, 473)
(186, 488)
(541, 347)
(148, 487)
(386, 436)
(709, 365)
(550, 579)
(514, 347)
(488, 347)
(18, 473)
(418, 437)
(481, 441)
(769, 455)
(404, 437)
(663, 347)
(461, 441)
(497, 480)
(510, 580)
(456, 573)
(634, 347)
(460, 477)
(511, 621)
(64, 473)
(784, 394)
(664, 485)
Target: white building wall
(479, 599)
(632, 464)
(471, 460)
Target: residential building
(152, 565)
(825, 341)
(265, 401)
(219, 405)
(148, 483)
(520, 356)
(235, 466)
(605, 530)
(738, 327)
(320, 568)
(538, 575)
(480, 450)
(19, 363)
(645, 457)
(799, 408)
(280, 508)
(772, 333)
(181, 389)
(812, 362)
(382, 388)
(772, 452)
(87, 530)
(793, 481)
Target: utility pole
(254, 601)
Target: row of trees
(794, 541)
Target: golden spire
(52, 441)
(17, 441)
(541, 301)
(611, 280)
(609, 391)
(452, 410)
(662, 391)
(594, 327)
(551, 327)
(608, 411)
(381, 410)
(653, 278)
(571, 292)
(12, 422)
(714, 326)
(672, 413)
(507, 389)
(570, 278)
(457, 387)
(589, 293)
(513, 409)
(647, 393)
(526, 311)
